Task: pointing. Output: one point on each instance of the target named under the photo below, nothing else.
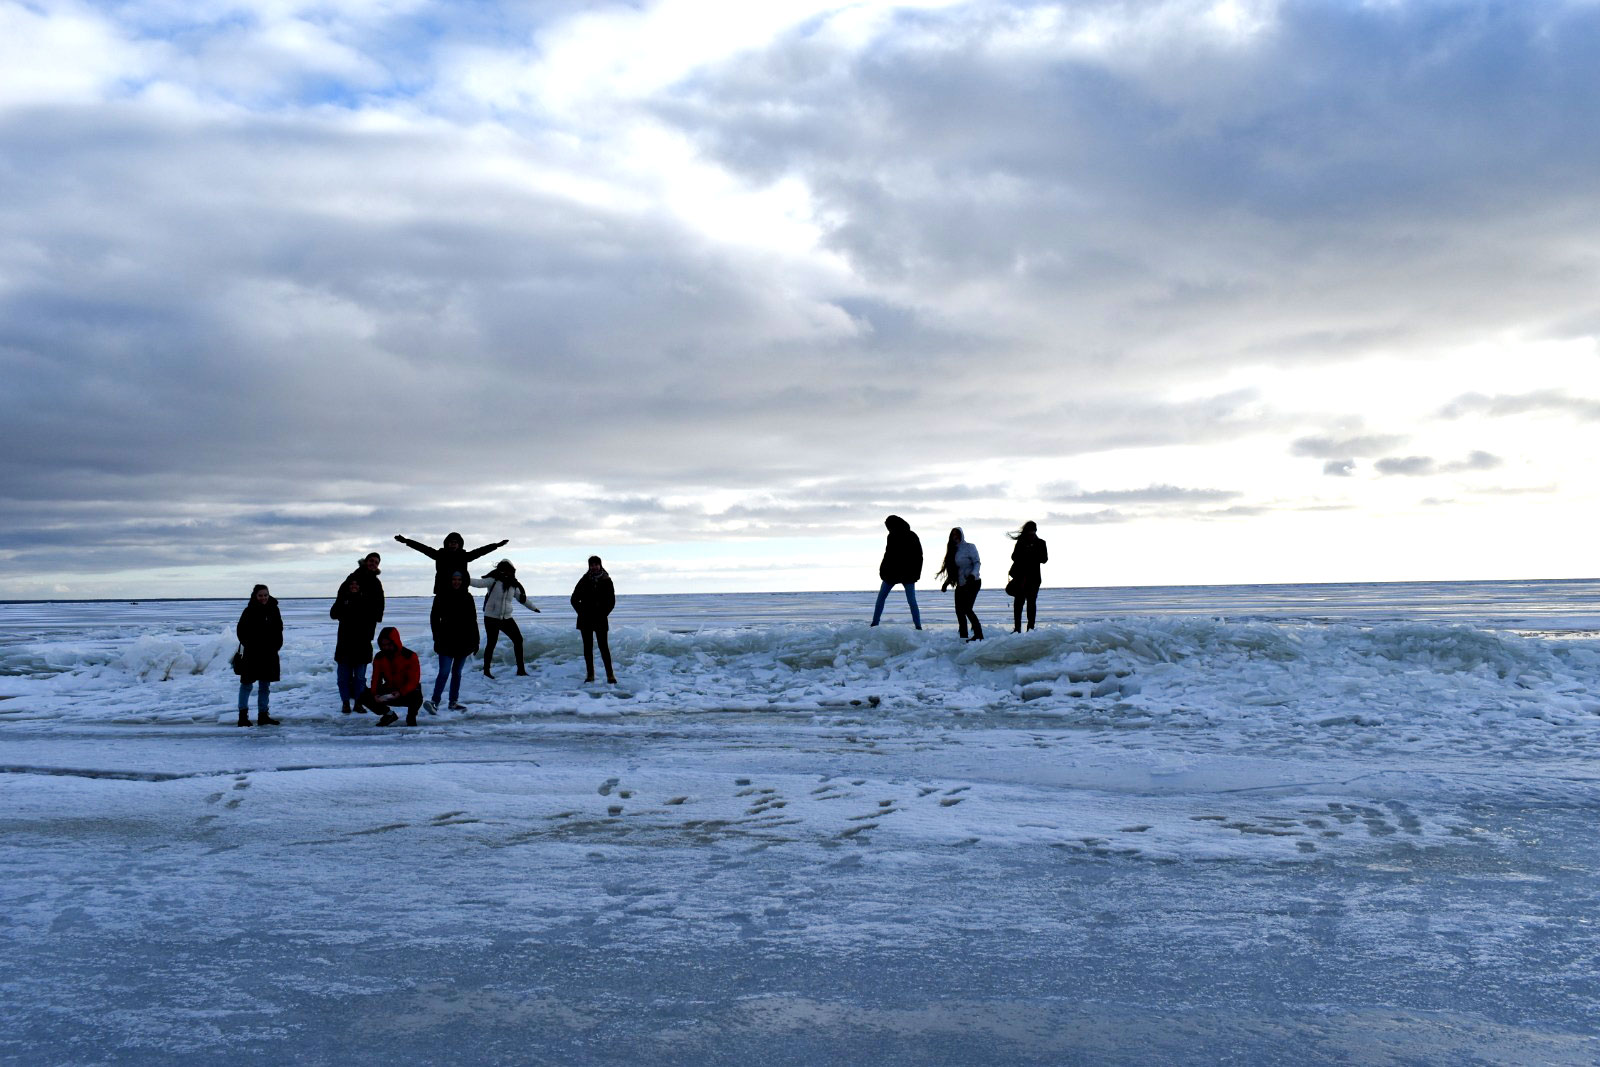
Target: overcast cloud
(682, 279)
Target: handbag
(237, 662)
(1012, 589)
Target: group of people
(397, 673)
(453, 618)
(902, 565)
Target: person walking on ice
(449, 558)
(503, 590)
(902, 565)
(960, 568)
(593, 598)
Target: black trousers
(493, 628)
(589, 638)
(966, 597)
(1029, 595)
(410, 701)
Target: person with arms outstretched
(449, 558)
(593, 598)
(503, 591)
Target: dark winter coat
(593, 598)
(447, 561)
(1026, 556)
(902, 553)
(454, 619)
(371, 591)
(260, 633)
(356, 627)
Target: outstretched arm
(475, 553)
(431, 553)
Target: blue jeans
(352, 680)
(911, 598)
(263, 694)
(450, 665)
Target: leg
(491, 629)
(1033, 604)
(1016, 612)
(514, 635)
(438, 679)
(972, 609)
(244, 703)
(604, 638)
(911, 598)
(588, 654)
(883, 594)
(263, 698)
(961, 614)
(456, 663)
(348, 690)
(412, 701)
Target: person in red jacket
(396, 681)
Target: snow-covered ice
(1188, 836)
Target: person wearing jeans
(902, 565)
(455, 637)
(396, 681)
(960, 568)
(260, 633)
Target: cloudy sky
(1214, 291)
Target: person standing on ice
(503, 590)
(960, 568)
(352, 650)
(593, 598)
(902, 565)
(451, 557)
(260, 633)
(396, 681)
(1026, 556)
(455, 637)
(366, 573)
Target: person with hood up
(449, 558)
(455, 637)
(396, 681)
(1026, 556)
(260, 633)
(503, 590)
(902, 565)
(352, 651)
(366, 573)
(593, 598)
(960, 568)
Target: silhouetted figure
(452, 556)
(1026, 556)
(366, 573)
(260, 633)
(960, 568)
(396, 681)
(352, 651)
(593, 598)
(503, 591)
(455, 637)
(902, 565)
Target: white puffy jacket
(498, 600)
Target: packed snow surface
(1352, 828)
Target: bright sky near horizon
(1241, 291)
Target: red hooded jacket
(397, 671)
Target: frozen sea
(1332, 824)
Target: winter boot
(244, 717)
(263, 719)
(389, 719)
(411, 717)
(345, 708)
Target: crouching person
(396, 681)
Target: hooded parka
(260, 633)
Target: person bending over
(593, 598)
(396, 681)
(503, 591)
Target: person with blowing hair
(1026, 556)
(960, 568)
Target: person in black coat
(455, 637)
(260, 633)
(366, 573)
(1026, 556)
(451, 557)
(902, 565)
(593, 598)
(352, 651)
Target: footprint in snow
(607, 786)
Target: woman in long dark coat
(352, 651)
(260, 633)
(455, 637)
(593, 598)
(1026, 556)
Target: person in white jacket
(503, 591)
(960, 568)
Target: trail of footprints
(1334, 820)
